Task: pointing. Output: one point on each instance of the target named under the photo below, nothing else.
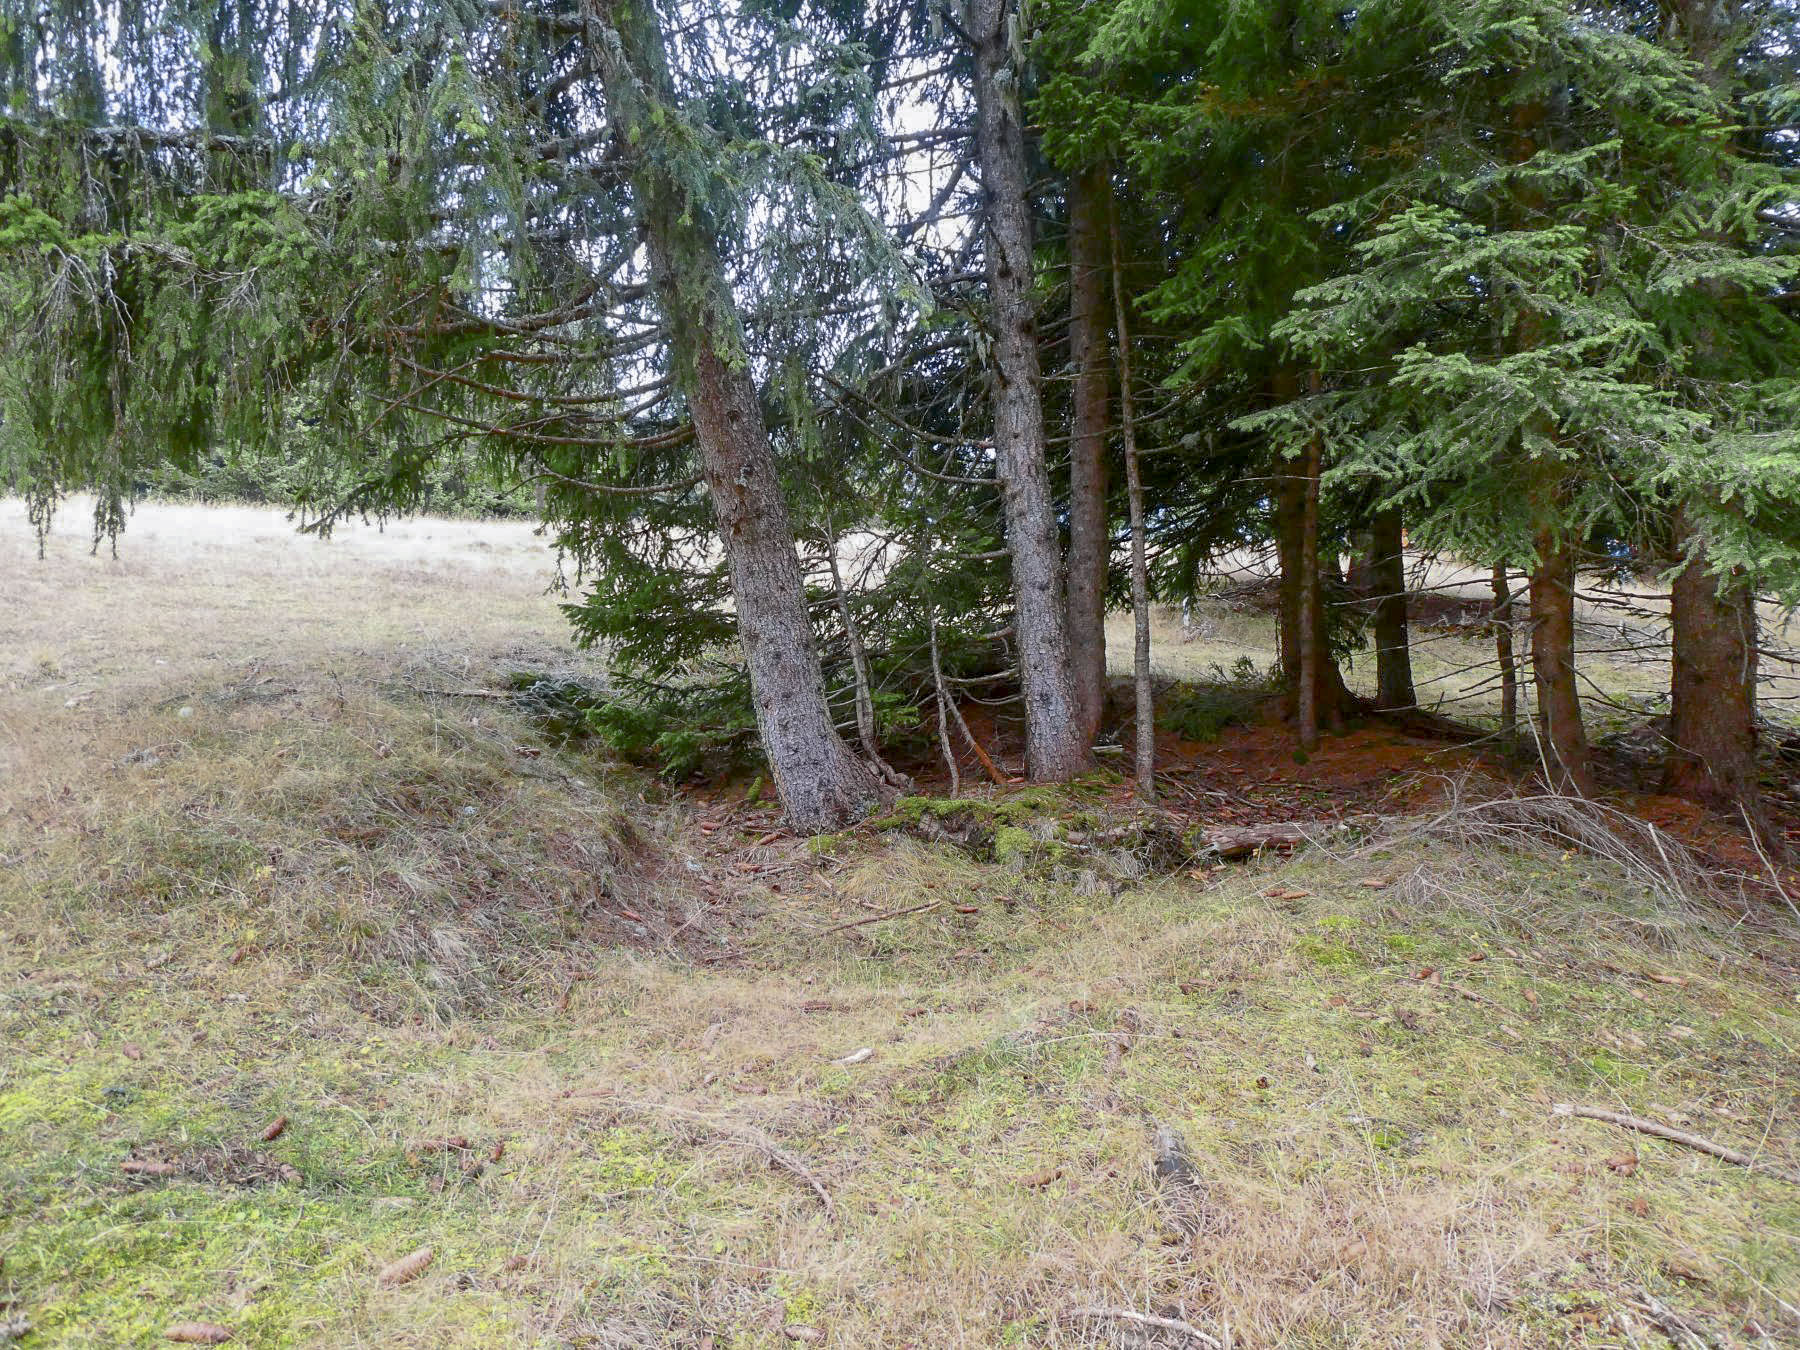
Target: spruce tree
(429, 239)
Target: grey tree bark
(822, 785)
(1090, 542)
(1055, 748)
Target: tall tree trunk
(1055, 748)
(822, 784)
(1331, 697)
(1290, 505)
(1562, 738)
(1090, 542)
(1311, 610)
(1712, 715)
(1503, 652)
(1387, 575)
(1144, 715)
(1712, 719)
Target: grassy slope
(369, 912)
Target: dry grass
(397, 920)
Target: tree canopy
(737, 281)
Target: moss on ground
(1361, 1077)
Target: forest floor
(637, 1068)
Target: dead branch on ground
(1657, 1130)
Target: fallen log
(1240, 841)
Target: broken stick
(743, 1134)
(1660, 1131)
(1138, 1319)
(877, 918)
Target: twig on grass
(744, 1134)
(1763, 856)
(1677, 1328)
(1660, 1131)
(1175, 1324)
(453, 693)
(877, 918)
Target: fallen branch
(1242, 841)
(1678, 1329)
(1675, 1136)
(877, 918)
(455, 693)
(987, 760)
(1187, 1329)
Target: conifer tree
(439, 248)
(1529, 287)
(1056, 741)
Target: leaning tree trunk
(1563, 739)
(1144, 713)
(822, 784)
(1387, 575)
(1712, 720)
(1055, 747)
(1090, 543)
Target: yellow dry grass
(401, 920)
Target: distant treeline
(455, 485)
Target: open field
(1621, 632)
(609, 1054)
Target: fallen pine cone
(274, 1129)
(408, 1267)
(198, 1333)
(144, 1167)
